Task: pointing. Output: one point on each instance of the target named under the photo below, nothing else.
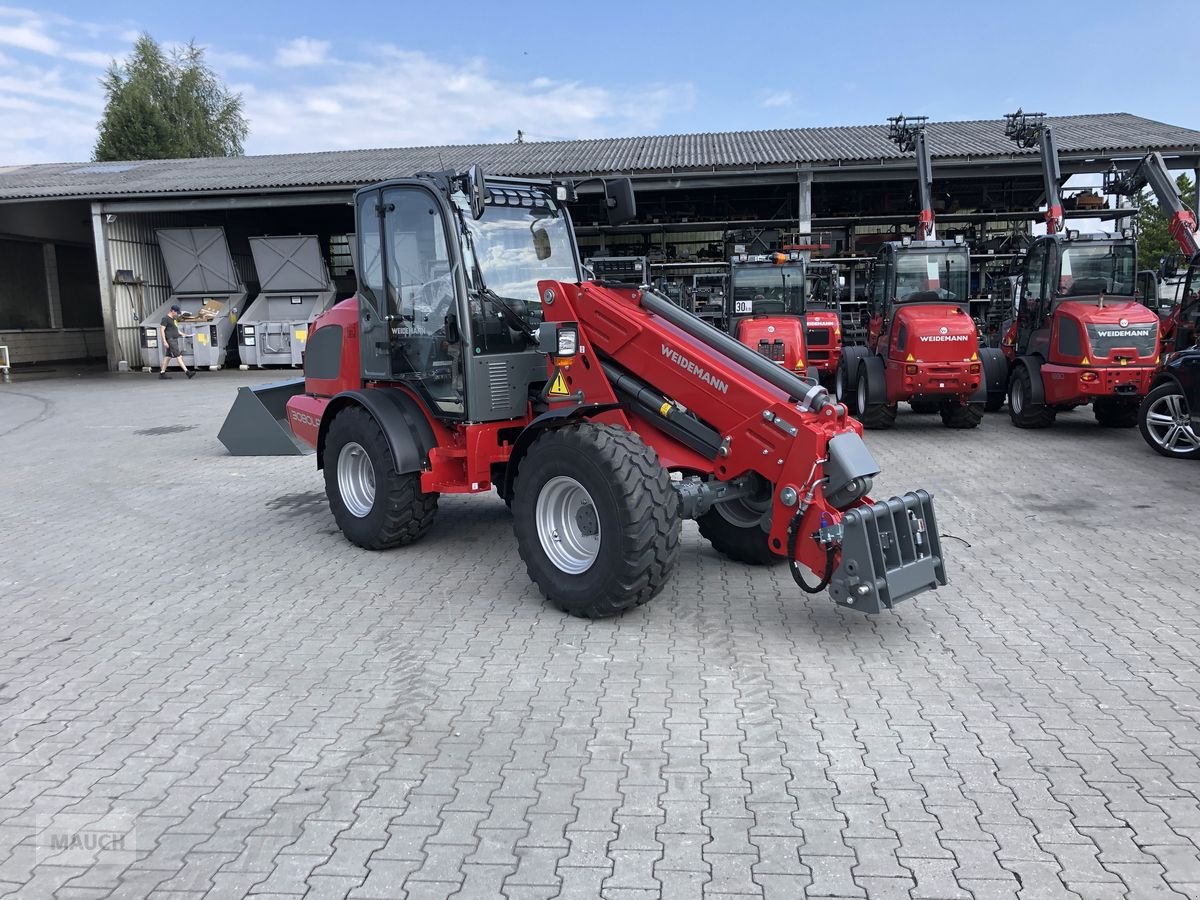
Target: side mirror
(541, 243)
(476, 191)
(619, 200)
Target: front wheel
(1166, 424)
(596, 519)
(872, 415)
(1021, 408)
(375, 506)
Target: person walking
(168, 332)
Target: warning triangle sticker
(558, 387)
(910, 358)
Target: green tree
(163, 105)
(1154, 238)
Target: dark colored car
(1169, 417)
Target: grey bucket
(256, 424)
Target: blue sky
(322, 76)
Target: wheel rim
(567, 525)
(1015, 400)
(356, 480)
(839, 384)
(862, 393)
(1170, 426)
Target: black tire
(1165, 423)
(1021, 408)
(400, 513)
(995, 402)
(745, 542)
(843, 380)
(961, 415)
(925, 407)
(1115, 413)
(631, 505)
(872, 415)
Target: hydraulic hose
(794, 567)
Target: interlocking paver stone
(190, 643)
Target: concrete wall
(53, 344)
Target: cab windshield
(1102, 269)
(923, 275)
(768, 290)
(515, 247)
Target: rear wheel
(1166, 424)
(735, 530)
(843, 381)
(925, 407)
(961, 415)
(1021, 408)
(596, 519)
(872, 415)
(375, 506)
(1115, 413)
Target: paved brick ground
(205, 691)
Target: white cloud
(51, 99)
(28, 36)
(408, 98)
(302, 51)
(777, 99)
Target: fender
(848, 362)
(555, 418)
(1034, 365)
(875, 370)
(408, 432)
(995, 373)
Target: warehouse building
(80, 264)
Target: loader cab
(918, 272)
(1069, 277)
(448, 301)
(1187, 313)
(766, 284)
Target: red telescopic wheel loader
(1080, 335)
(922, 346)
(474, 357)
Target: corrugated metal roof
(728, 151)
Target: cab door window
(422, 296)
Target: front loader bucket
(257, 422)
(890, 551)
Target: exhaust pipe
(798, 389)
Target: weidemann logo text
(684, 363)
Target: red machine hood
(935, 332)
(1115, 312)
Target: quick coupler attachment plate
(890, 551)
